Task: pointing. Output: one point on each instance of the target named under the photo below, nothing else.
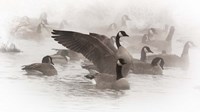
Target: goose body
(60, 57)
(161, 44)
(172, 60)
(107, 81)
(44, 68)
(153, 68)
(94, 49)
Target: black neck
(117, 41)
(144, 38)
(123, 22)
(185, 50)
(119, 72)
(170, 34)
(143, 56)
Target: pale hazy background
(85, 14)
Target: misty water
(176, 90)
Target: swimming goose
(161, 44)
(71, 55)
(144, 51)
(121, 25)
(172, 60)
(44, 68)
(154, 68)
(106, 81)
(9, 48)
(60, 57)
(160, 33)
(102, 56)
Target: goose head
(187, 45)
(121, 62)
(122, 34)
(112, 26)
(119, 35)
(190, 44)
(47, 59)
(124, 19)
(158, 61)
(145, 50)
(145, 38)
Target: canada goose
(172, 60)
(106, 81)
(159, 33)
(9, 48)
(30, 28)
(102, 56)
(121, 25)
(69, 55)
(135, 45)
(63, 24)
(60, 57)
(161, 44)
(44, 68)
(154, 68)
(144, 50)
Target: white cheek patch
(151, 32)
(49, 60)
(145, 50)
(120, 34)
(159, 62)
(93, 82)
(190, 44)
(118, 62)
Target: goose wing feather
(92, 48)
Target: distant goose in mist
(153, 68)
(135, 46)
(94, 49)
(161, 44)
(107, 81)
(63, 24)
(172, 60)
(144, 51)
(67, 55)
(159, 33)
(30, 28)
(9, 48)
(60, 57)
(44, 68)
(121, 25)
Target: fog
(84, 15)
(176, 90)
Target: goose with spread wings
(93, 48)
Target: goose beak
(128, 19)
(150, 51)
(126, 35)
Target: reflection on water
(176, 90)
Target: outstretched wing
(92, 48)
(104, 39)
